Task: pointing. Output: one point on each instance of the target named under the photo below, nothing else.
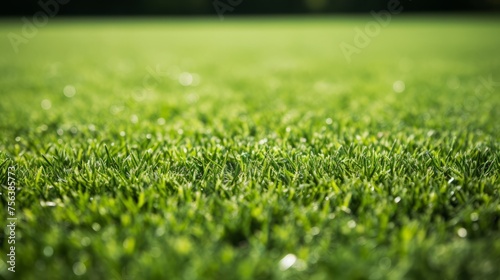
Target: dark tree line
(245, 7)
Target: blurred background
(245, 7)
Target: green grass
(278, 147)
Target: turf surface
(251, 149)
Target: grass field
(251, 149)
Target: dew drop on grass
(69, 91)
(79, 268)
(96, 226)
(287, 261)
(160, 231)
(398, 86)
(85, 241)
(315, 231)
(186, 79)
(48, 251)
(161, 121)
(43, 127)
(397, 199)
(474, 216)
(115, 109)
(462, 232)
(46, 104)
(351, 224)
(328, 121)
(48, 204)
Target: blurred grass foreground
(296, 148)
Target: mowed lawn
(252, 149)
